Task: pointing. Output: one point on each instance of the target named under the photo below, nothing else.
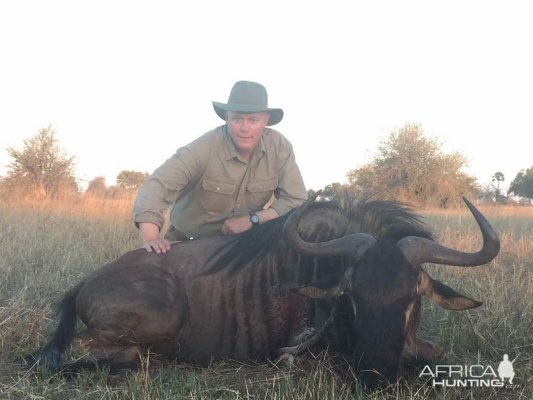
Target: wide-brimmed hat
(248, 97)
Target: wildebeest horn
(353, 244)
(419, 250)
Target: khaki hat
(248, 97)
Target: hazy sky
(125, 83)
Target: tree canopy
(411, 167)
(127, 183)
(41, 168)
(498, 177)
(522, 185)
(97, 186)
(130, 180)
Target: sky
(126, 83)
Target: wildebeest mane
(247, 247)
(383, 219)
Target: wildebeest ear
(331, 286)
(443, 295)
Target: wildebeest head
(384, 281)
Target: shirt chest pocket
(217, 196)
(258, 192)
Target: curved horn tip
(467, 202)
(473, 209)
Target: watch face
(254, 218)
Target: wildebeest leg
(108, 350)
(126, 315)
(312, 337)
(117, 358)
(169, 348)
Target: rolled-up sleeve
(162, 188)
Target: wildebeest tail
(51, 354)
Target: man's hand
(240, 224)
(159, 245)
(236, 225)
(151, 240)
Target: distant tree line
(127, 182)
(41, 169)
(408, 166)
(411, 167)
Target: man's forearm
(148, 231)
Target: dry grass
(48, 247)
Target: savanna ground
(47, 247)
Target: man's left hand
(240, 224)
(236, 225)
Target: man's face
(245, 130)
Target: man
(236, 176)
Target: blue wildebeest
(352, 273)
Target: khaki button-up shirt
(206, 183)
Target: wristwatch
(254, 219)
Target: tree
(97, 186)
(130, 180)
(498, 177)
(411, 167)
(522, 185)
(332, 190)
(487, 193)
(41, 168)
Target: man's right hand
(151, 239)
